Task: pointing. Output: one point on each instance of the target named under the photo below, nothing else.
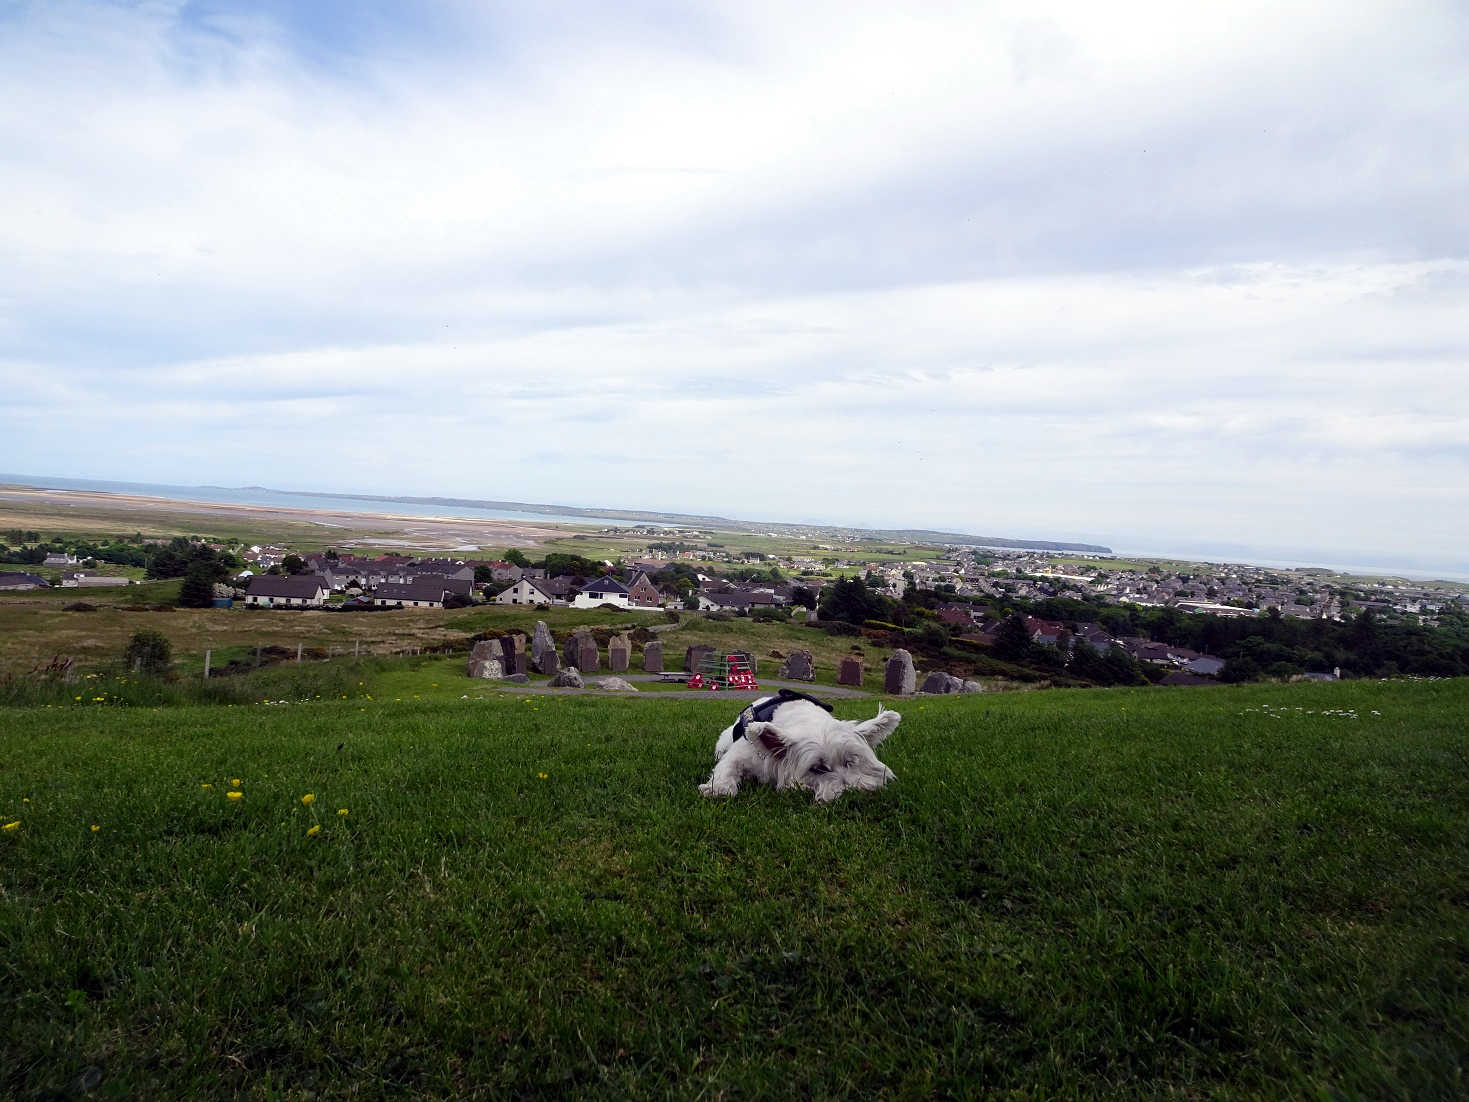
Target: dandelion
(206, 786)
(341, 811)
(11, 826)
(309, 798)
(314, 830)
(237, 782)
(95, 828)
(541, 775)
(234, 795)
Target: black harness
(761, 713)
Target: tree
(483, 573)
(198, 588)
(803, 596)
(294, 564)
(149, 651)
(516, 557)
(849, 600)
(1012, 641)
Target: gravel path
(822, 692)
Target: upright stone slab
(489, 669)
(799, 666)
(568, 651)
(512, 652)
(540, 645)
(898, 678)
(653, 656)
(588, 659)
(850, 672)
(693, 658)
(619, 652)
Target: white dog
(795, 741)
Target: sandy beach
(440, 533)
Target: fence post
(357, 650)
(298, 653)
(207, 656)
(257, 656)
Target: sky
(1182, 277)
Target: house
(58, 558)
(606, 590)
(14, 579)
(642, 593)
(424, 593)
(89, 581)
(525, 592)
(285, 591)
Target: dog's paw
(713, 791)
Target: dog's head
(811, 749)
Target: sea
(259, 495)
(1365, 565)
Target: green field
(1253, 891)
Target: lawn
(1253, 891)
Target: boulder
(972, 687)
(615, 685)
(569, 678)
(940, 682)
(518, 678)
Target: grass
(1254, 891)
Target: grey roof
(605, 584)
(299, 586)
(20, 578)
(424, 589)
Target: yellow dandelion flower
(237, 782)
(206, 786)
(541, 775)
(309, 798)
(234, 795)
(314, 830)
(11, 826)
(341, 811)
(95, 828)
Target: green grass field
(1254, 891)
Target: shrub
(149, 651)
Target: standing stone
(899, 678)
(485, 648)
(940, 682)
(850, 672)
(693, 658)
(568, 650)
(489, 669)
(541, 645)
(586, 652)
(800, 666)
(619, 651)
(512, 652)
(653, 656)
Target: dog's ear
(879, 727)
(768, 737)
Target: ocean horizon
(1367, 563)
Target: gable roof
(604, 584)
(21, 578)
(305, 587)
(423, 589)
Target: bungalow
(604, 591)
(14, 579)
(280, 591)
(72, 581)
(60, 558)
(424, 593)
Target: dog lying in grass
(792, 740)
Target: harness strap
(762, 712)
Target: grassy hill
(1244, 891)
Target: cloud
(1134, 271)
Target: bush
(149, 651)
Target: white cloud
(1133, 269)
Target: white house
(604, 591)
(273, 590)
(526, 591)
